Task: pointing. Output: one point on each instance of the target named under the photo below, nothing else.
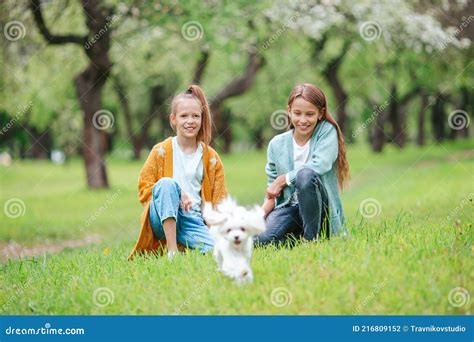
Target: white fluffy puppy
(232, 228)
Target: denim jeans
(308, 219)
(191, 231)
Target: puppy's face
(234, 234)
(235, 223)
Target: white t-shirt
(188, 172)
(300, 153)
(300, 157)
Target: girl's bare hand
(275, 189)
(186, 203)
(268, 206)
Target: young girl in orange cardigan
(180, 174)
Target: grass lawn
(409, 254)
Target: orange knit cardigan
(160, 164)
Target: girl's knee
(166, 184)
(264, 239)
(305, 178)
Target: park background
(85, 94)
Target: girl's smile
(304, 116)
(187, 119)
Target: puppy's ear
(227, 206)
(211, 216)
(255, 221)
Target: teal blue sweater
(323, 154)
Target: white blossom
(398, 21)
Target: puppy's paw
(243, 277)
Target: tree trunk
(223, 129)
(438, 117)
(94, 140)
(331, 74)
(396, 118)
(88, 83)
(137, 148)
(158, 108)
(341, 97)
(227, 133)
(465, 104)
(258, 138)
(378, 136)
(41, 143)
(420, 138)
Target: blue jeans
(308, 219)
(191, 231)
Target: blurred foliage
(148, 48)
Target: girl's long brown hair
(195, 92)
(315, 95)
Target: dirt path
(13, 250)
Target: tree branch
(35, 7)
(201, 65)
(318, 46)
(333, 63)
(409, 96)
(240, 84)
